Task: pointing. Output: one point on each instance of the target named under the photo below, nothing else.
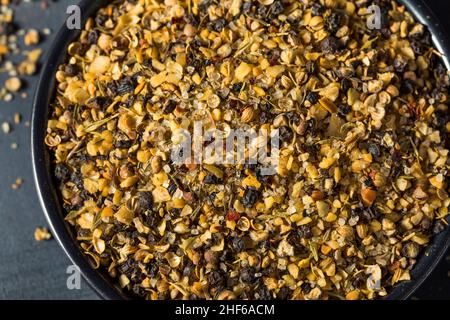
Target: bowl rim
(50, 200)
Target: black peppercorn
(284, 293)
(145, 201)
(262, 293)
(211, 179)
(407, 86)
(344, 110)
(317, 9)
(373, 148)
(247, 275)
(304, 232)
(346, 84)
(237, 244)
(126, 85)
(236, 87)
(286, 134)
(62, 172)
(312, 97)
(218, 24)
(330, 45)
(333, 22)
(250, 197)
(170, 106)
(217, 279)
(172, 188)
(71, 70)
(92, 37)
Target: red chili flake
(177, 20)
(273, 29)
(394, 266)
(273, 61)
(233, 216)
(179, 109)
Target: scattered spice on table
(17, 184)
(10, 49)
(31, 37)
(17, 118)
(42, 234)
(13, 84)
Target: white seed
(6, 128)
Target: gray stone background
(31, 270)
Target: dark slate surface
(31, 270)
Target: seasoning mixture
(361, 186)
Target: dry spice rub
(362, 182)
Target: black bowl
(48, 192)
